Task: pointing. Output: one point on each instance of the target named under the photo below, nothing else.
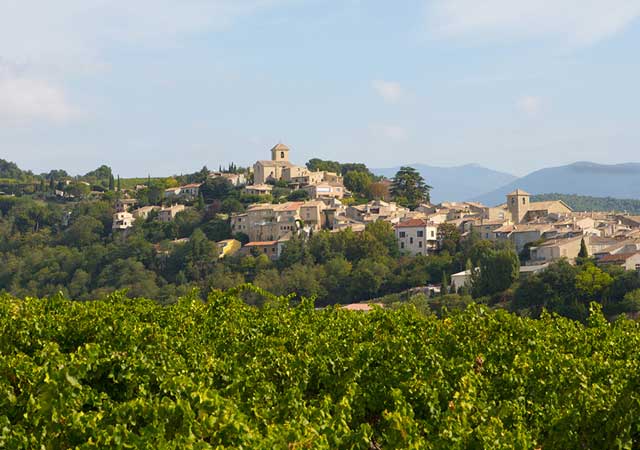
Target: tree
(78, 189)
(202, 175)
(298, 195)
(449, 237)
(294, 251)
(357, 182)
(216, 189)
(496, 272)
(379, 191)
(200, 205)
(409, 188)
(584, 251)
(317, 164)
(591, 282)
(231, 205)
(84, 231)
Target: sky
(166, 86)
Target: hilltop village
(541, 232)
(326, 230)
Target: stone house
(417, 236)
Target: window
(420, 244)
(420, 233)
(410, 240)
(401, 244)
(524, 201)
(513, 201)
(486, 236)
(282, 155)
(403, 234)
(433, 233)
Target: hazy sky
(167, 86)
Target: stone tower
(518, 204)
(280, 153)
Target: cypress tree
(584, 251)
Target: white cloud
(27, 99)
(576, 21)
(390, 91)
(529, 104)
(43, 42)
(390, 132)
(71, 34)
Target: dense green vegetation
(587, 203)
(68, 247)
(123, 373)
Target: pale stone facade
(417, 236)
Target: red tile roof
(412, 223)
(619, 257)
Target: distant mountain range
(581, 178)
(456, 183)
(477, 183)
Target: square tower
(280, 153)
(518, 204)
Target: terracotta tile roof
(289, 206)
(545, 206)
(411, 223)
(192, 185)
(620, 257)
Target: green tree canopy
(409, 188)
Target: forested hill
(588, 203)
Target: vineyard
(122, 373)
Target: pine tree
(111, 183)
(119, 187)
(409, 188)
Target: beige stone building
(555, 249)
(272, 249)
(629, 261)
(486, 227)
(325, 190)
(266, 222)
(259, 189)
(169, 213)
(417, 236)
(266, 170)
(377, 210)
(143, 213)
(523, 210)
(280, 168)
(122, 221)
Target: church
(273, 169)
